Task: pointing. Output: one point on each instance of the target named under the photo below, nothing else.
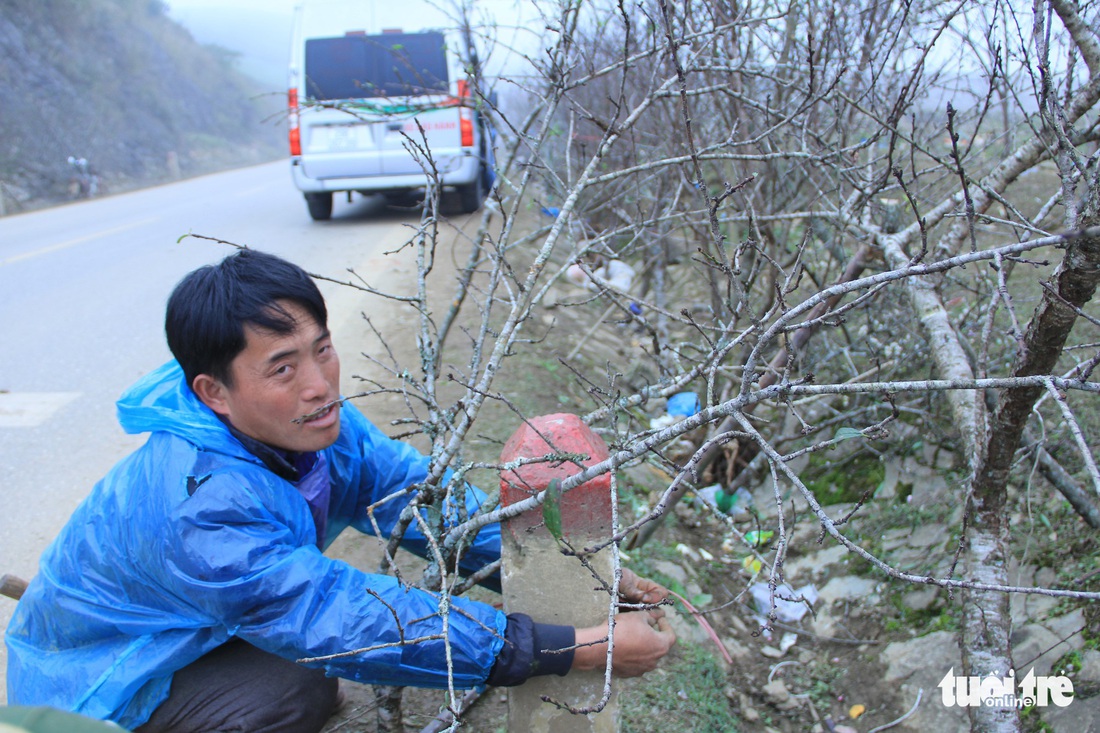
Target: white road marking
(31, 409)
(78, 240)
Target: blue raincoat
(191, 540)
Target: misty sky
(275, 5)
(259, 30)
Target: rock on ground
(1080, 716)
(919, 665)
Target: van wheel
(472, 194)
(320, 206)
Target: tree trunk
(389, 709)
(987, 625)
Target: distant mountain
(121, 84)
(261, 37)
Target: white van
(356, 92)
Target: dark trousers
(238, 688)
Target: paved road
(82, 294)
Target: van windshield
(390, 65)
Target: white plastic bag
(786, 611)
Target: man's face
(280, 378)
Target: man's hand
(633, 589)
(641, 639)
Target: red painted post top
(586, 509)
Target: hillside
(119, 83)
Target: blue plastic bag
(684, 404)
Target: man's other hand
(634, 589)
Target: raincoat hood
(162, 401)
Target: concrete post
(550, 587)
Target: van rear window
(390, 65)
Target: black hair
(209, 308)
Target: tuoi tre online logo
(1004, 692)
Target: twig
(1075, 429)
(472, 580)
(1086, 576)
(819, 637)
(448, 717)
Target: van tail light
(465, 114)
(295, 142)
(295, 133)
(466, 128)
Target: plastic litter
(680, 406)
(737, 505)
(683, 404)
(617, 274)
(751, 564)
(662, 422)
(709, 494)
(689, 552)
(577, 275)
(771, 652)
(756, 539)
(786, 611)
